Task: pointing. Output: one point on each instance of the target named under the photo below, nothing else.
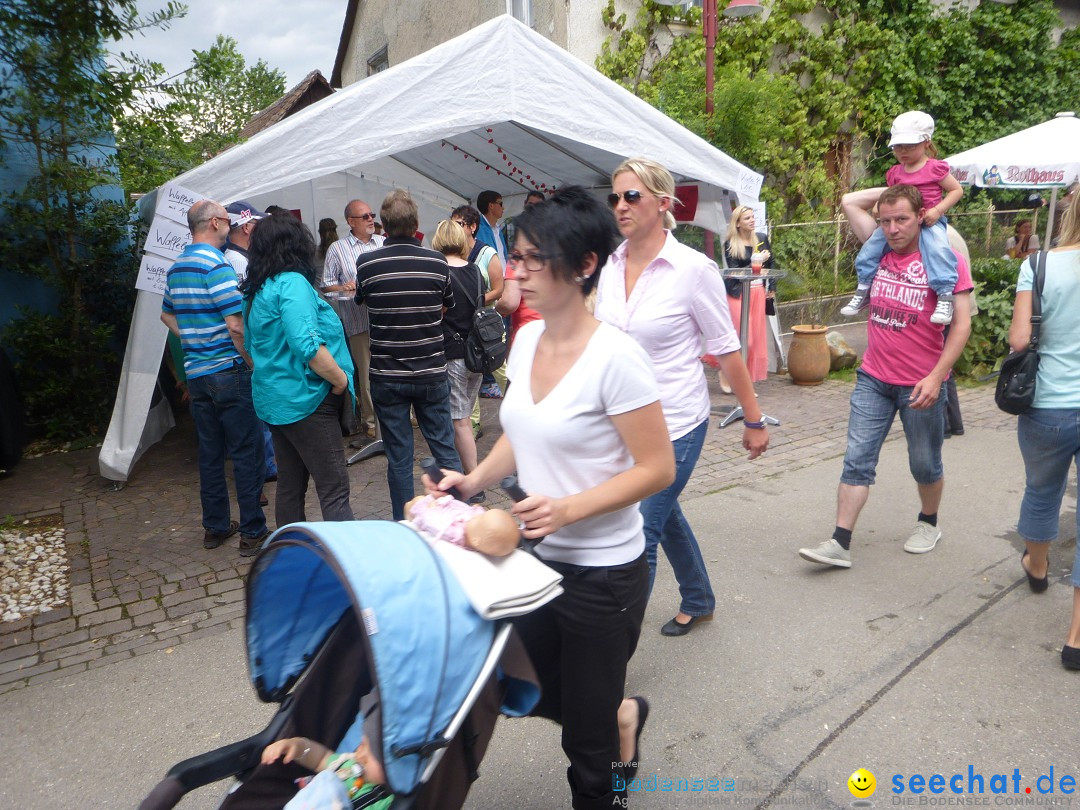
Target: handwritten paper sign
(173, 202)
(152, 273)
(167, 238)
(749, 185)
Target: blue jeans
(225, 422)
(666, 526)
(937, 255)
(431, 402)
(874, 404)
(1050, 443)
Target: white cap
(911, 127)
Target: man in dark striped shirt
(407, 288)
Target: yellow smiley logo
(862, 784)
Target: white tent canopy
(522, 113)
(499, 107)
(1043, 156)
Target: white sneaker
(923, 538)
(828, 553)
(859, 301)
(942, 312)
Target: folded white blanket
(499, 587)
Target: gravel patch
(33, 572)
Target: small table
(746, 277)
(375, 447)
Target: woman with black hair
(302, 383)
(584, 430)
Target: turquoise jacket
(284, 326)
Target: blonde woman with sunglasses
(671, 299)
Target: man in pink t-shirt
(907, 361)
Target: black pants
(580, 644)
(312, 448)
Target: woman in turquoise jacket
(302, 383)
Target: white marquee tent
(1046, 155)
(499, 108)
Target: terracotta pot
(808, 357)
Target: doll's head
(494, 532)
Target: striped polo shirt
(405, 287)
(200, 291)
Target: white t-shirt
(567, 443)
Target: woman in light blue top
(302, 383)
(1049, 432)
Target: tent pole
(1050, 218)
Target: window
(379, 62)
(521, 10)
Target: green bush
(67, 387)
(995, 291)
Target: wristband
(753, 425)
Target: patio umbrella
(1043, 156)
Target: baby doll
(489, 531)
(360, 772)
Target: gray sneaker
(943, 312)
(923, 538)
(859, 301)
(828, 553)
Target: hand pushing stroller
(358, 630)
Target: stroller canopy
(427, 645)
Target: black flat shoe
(1038, 585)
(643, 715)
(1070, 657)
(677, 628)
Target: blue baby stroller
(359, 630)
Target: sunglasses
(632, 197)
(368, 215)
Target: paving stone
(100, 617)
(57, 674)
(145, 619)
(65, 640)
(26, 672)
(54, 615)
(55, 629)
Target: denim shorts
(874, 404)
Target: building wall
(410, 27)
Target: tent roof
(499, 107)
(1042, 156)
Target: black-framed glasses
(368, 215)
(532, 262)
(632, 197)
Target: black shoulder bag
(1016, 385)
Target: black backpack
(485, 344)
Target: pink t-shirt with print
(927, 179)
(902, 346)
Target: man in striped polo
(203, 308)
(407, 289)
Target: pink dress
(443, 518)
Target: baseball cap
(241, 213)
(911, 127)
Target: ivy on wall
(807, 92)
